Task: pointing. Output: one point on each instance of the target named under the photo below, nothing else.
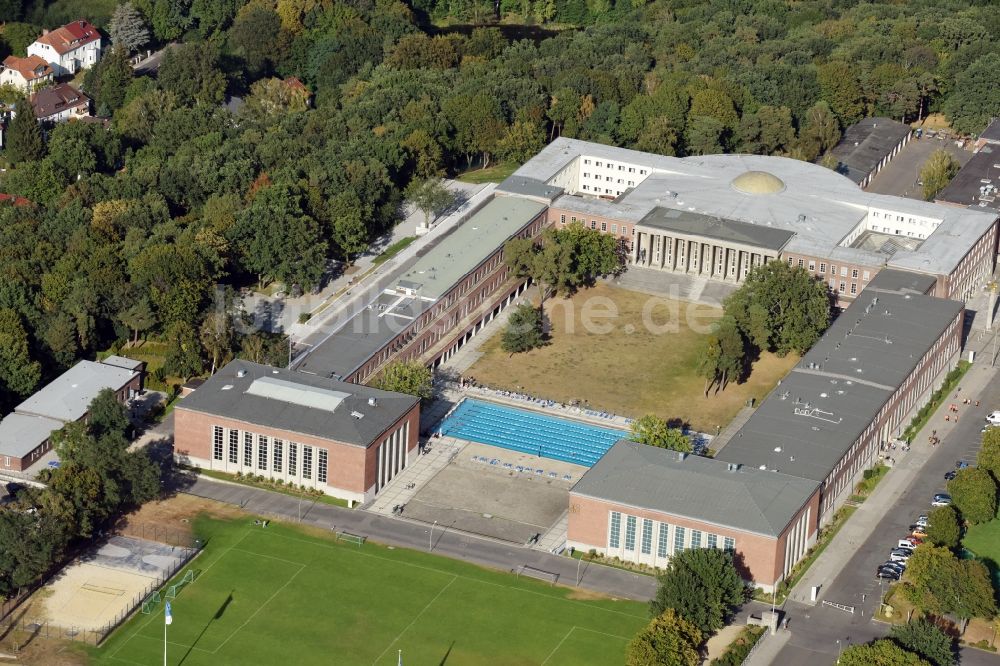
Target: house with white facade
(25, 74)
(68, 49)
(59, 103)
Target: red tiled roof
(10, 198)
(30, 68)
(50, 101)
(294, 83)
(70, 36)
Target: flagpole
(164, 641)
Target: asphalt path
(421, 536)
(815, 630)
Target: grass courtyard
(642, 360)
(293, 595)
(983, 541)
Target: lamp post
(430, 537)
(838, 650)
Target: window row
(272, 454)
(669, 539)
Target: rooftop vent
(681, 455)
(357, 415)
(241, 373)
(763, 468)
(372, 401)
(733, 467)
(227, 387)
(777, 449)
(274, 372)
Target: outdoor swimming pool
(529, 432)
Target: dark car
(961, 464)
(888, 574)
(948, 476)
(895, 566)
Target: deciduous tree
(410, 377)
(431, 197)
(974, 493)
(702, 585)
(937, 172)
(524, 330)
(943, 527)
(654, 431)
(128, 28)
(925, 639)
(882, 652)
(668, 640)
(24, 136)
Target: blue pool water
(530, 432)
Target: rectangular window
(790, 261)
(604, 226)
(854, 274)
(647, 536)
(843, 287)
(562, 219)
(679, 534)
(216, 442)
(866, 276)
(586, 187)
(833, 269)
(801, 263)
(293, 451)
(234, 446)
(822, 267)
(572, 219)
(278, 450)
(661, 543)
(713, 540)
(630, 522)
(593, 224)
(247, 449)
(261, 452)
(586, 175)
(614, 230)
(843, 271)
(321, 462)
(854, 287)
(812, 266)
(729, 543)
(616, 528)
(597, 163)
(307, 462)
(696, 538)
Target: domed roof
(757, 182)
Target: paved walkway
(400, 532)
(861, 525)
(408, 483)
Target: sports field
(288, 595)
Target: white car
(993, 418)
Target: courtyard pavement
(901, 174)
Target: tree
(943, 527)
(128, 28)
(216, 336)
(989, 452)
(938, 582)
(925, 639)
(190, 72)
(254, 34)
(18, 36)
(766, 132)
(780, 308)
(410, 377)
(520, 142)
(882, 652)
(974, 493)
(710, 360)
(138, 317)
(819, 132)
(974, 99)
(937, 172)
(732, 351)
(704, 135)
(272, 97)
(431, 197)
(183, 353)
(654, 431)
(19, 375)
(524, 330)
(702, 585)
(24, 136)
(840, 87)
(108, 81)
(668, 640)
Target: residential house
(69, 49)
(59, 103)
(25, 74)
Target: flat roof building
(867, 146)
(977, 183)
(437, 300)
(718, 216)
(646, 504)
(347, 440)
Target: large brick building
(718, 216)
(346, 440)
(792, 464)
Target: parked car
(888, 574)
(993, 418)
(962, 464)
(948, 476)
(896, 566)
(941, 499)
(900, 555)
(908, 543)
(921, 521)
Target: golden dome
(757, 182)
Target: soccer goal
(150, 603)
(356, 539)
(541, 574)
(179, 585)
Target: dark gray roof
(816, 413)
(20, 434)
(529, 187)
(982, 171)
(298, 402)
(363, 335)
(703, 489)
(68, 396)
(865, 144)
(992, 131)
(685, 222)
(901, 282)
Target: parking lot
(901, 175)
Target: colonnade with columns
(697, 256)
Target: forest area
(148, 225)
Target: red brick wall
(351, 468)
(763, 557)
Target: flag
(167, 616)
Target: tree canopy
(702, 585)
(974, 492)
(668, 640)
(882, 652)
(924, 639)
(524, 330)
(407, 377)
(654, 431)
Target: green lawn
(393, 250)
(494, 174)
(285, 595)
(983, 541)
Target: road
(418, 536)
(815, 630)
(151, 65)
(900, 175)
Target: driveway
(901, 175)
